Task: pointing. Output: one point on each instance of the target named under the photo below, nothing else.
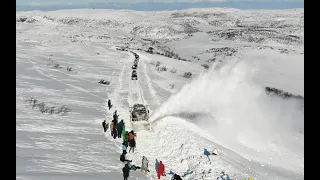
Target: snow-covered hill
(202, 73)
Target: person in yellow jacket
(250, 178)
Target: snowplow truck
(139, 112)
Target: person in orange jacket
(111, 127)
(161, 170)
(131, 135)
(132, 141)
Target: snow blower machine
(139, 113)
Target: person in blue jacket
(124, 148)
(157, 165)
(119, 130)
(119, 127)
(207, 153)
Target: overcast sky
(179, 4)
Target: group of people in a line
(118, 130)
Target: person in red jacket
(161, 170)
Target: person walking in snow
(115, 117)
(144, 165)
(132, 144)
(109, 104)
(124, 133)
(124, 148)
(207, 153)
(104, 125)
(125, 171)
(115, 133)
(161, 170)
(131, 135)
(127, 135)
(119, 128)
(156, 165)
(121, 123)
(123, 158)
(126, 143)
(112, 127)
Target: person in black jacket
(125, 171)
(115, 133)
(109, 104)
(176, 177)
(132, 144)
(115, 117)
(123, 158)
(104, 125)
(114, 130)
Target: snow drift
(236, 111)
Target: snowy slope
(223, 107)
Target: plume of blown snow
(237, 109)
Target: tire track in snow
(115, 96)
(155, 100)
(74, 87)
(74, 76)
(134, 96)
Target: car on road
(134, 75)
(134, 66)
